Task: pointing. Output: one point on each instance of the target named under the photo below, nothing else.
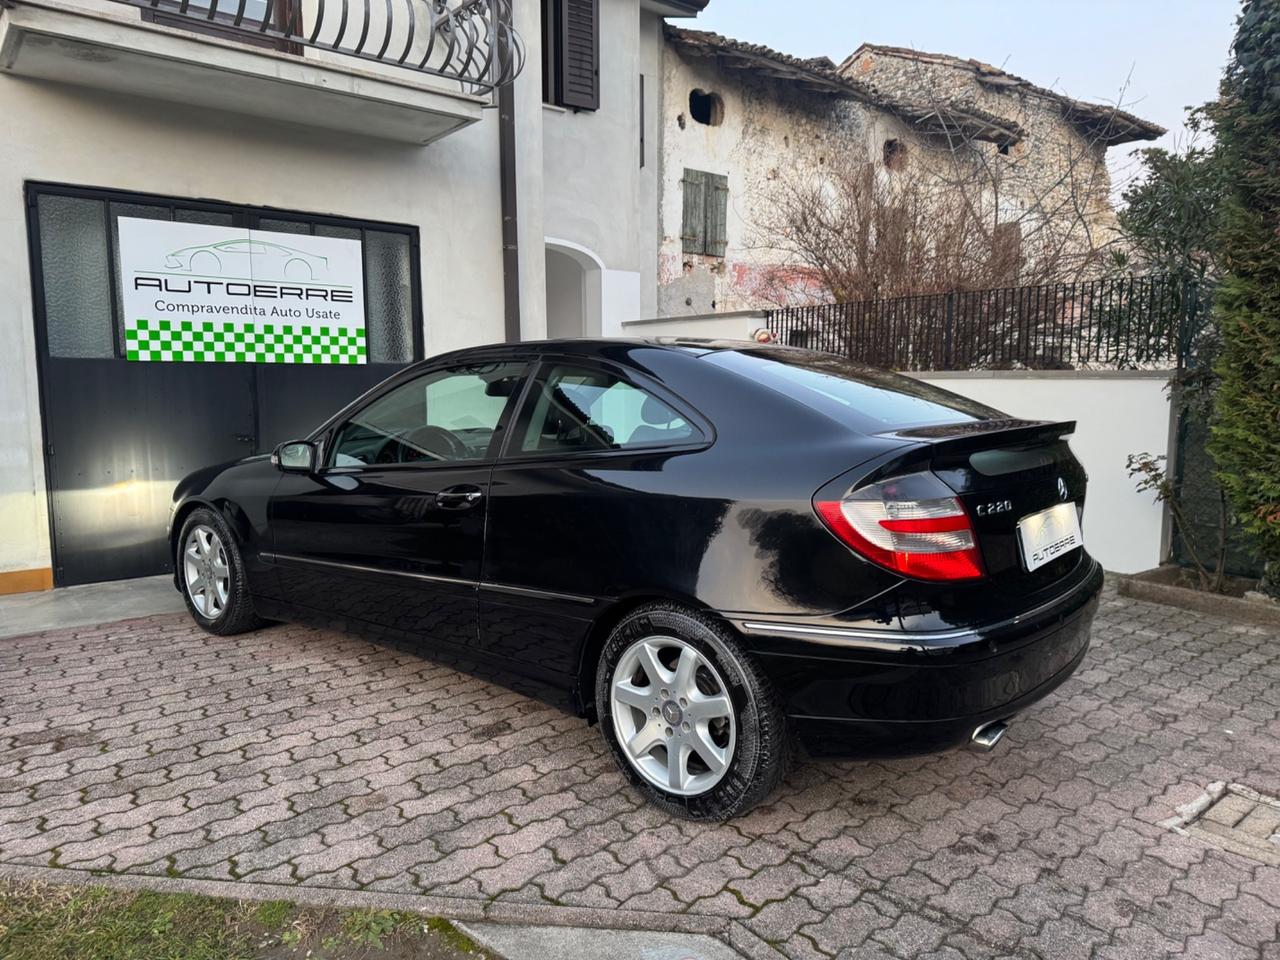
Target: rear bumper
(864, 693)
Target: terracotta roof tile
(819, 74)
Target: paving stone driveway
(296, 757)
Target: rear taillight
(914, 525)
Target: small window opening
(706, 108)
(895, 154)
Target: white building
(215, 136)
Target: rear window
(867, 399)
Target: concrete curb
(450, 908)
(1186, 823)
(1254, 612)
(544, 942)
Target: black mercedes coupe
(723, 552)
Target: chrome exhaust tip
(988, 735)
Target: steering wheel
(425, 443)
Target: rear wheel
(688, 716)
(211, 573)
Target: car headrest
(656, 413)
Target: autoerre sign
(198, 293)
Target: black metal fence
(1116, 323)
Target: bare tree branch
(960, 214)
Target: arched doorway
(574, 277)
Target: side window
(448, 416)
(579, 409)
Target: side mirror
(295, 456)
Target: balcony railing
(470, 42)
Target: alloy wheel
(206, 572)
(672, 715)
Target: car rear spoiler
(983, 434)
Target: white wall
(596, 194)
(649, 186)
(73, 135)
(718, 326)
(530, 201)
(565, 317)
(1117, 413)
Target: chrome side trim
(432, 578)
(539, 594)
(863, 639)
(363, 568)
(866, 639)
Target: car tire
(230, 610)
(750, 747)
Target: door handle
(459, 498)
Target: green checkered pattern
(210, 341)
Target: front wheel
(211, 573)
(689, 718)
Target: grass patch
(94, 923)
(273, 914)
(451, 935)
(44, 922)
(371, 927)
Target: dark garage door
(118, 433)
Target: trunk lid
(1004, 471)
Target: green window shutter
(693, 230)
(717, 202)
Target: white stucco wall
(1116, 414)
(739, 325)
(649, 186)
(530, 201)
(565, 281)
(73, 135)
(595, 192)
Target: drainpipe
(510, 232)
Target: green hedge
(1245, 440)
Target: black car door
(390, 528)
(586, 497)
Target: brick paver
(299, 757)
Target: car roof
(616, 348)
(728, 368)
(606, 348)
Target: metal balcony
(411, 71)
(471, 42)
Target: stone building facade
(742, 124)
